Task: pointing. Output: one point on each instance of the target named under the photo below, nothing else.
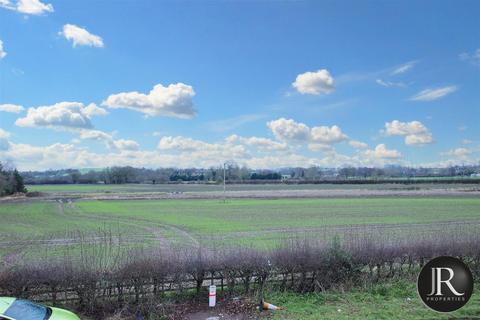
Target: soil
(251, 194)
(236, 309)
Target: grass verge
(397, 300)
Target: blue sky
(264, 83)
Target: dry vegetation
(104, 279)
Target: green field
(136, 188)
(260, 223)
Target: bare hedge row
(301, 265)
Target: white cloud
(4, 143)
(33, 7)
(415, 132)
(467, 141)
(327, 135)
(473, 58)
(180, 152)
(93, 110)
(404, 67)
(458, 152)
(95, 135)
(203, 152)
(260, 143)
(318, 82)
(174, 101)
(3, 53)
(12, 108)
(110, 142)
(80, 36)
(320, 147)
(288, 129)
(433, 94)
(381, 152)
(62, 115)
(389, 84)
(185, 144)
(358, 144)
(123, 144)
(4, 134)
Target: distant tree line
(11, 181)
(236, 173)
(120, 175)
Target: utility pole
(224, 187)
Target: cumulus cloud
(290, 130)
(358, 144)
(404, 67)
(33, 7)
(381, 152)
(62, 115)
(173, 101)
(415, 132)
(3, 53)
(180, 152)
(185, 144)
(458, 152)
(203, 151)
(473, 58)
(123, 144)
(433, 94)
(260, 143)
(108, 139)
(93, 110)
(317, 82)
(4, 135)
(94, 135)
(12, 108)
(80, 36)
(327, 135)
(320, 147)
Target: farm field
(260, 223)
(169, 188)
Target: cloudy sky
(264, 83)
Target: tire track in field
(357, 229)
(156, 228)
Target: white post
(212, 296)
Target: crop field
(101, 223)
(262, 223)
(170, 188)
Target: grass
(211, 218)
(253, 222)
(397, 300)
(136, 188)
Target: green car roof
(5, 302)
(17, 308)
